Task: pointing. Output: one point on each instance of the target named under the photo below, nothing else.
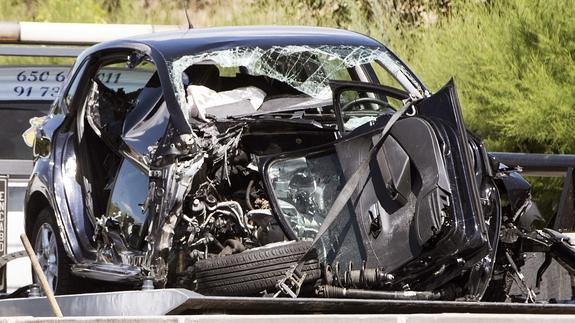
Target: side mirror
(30, 134)
(35, 135)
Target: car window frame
(95, 62)
(75, 76)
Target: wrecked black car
(283, 161)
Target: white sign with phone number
(45, 83)
(31, 83)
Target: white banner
(31, 83)
(44, 83)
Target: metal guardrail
(73, 33)
(40, 51)
(555, 165)
(185, 302)
(549, 165)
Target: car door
(122, 117)
(99, 153)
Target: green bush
(514, 65)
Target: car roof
(165, 47)
(174, 44)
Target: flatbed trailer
(185, 302)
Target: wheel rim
(47, 253)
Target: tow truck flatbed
(185, 302)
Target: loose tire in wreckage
(251, 272)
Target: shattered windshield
(297, 72)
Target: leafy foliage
(514, 64)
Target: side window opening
(71, 91)
(383, 76)
(359, 106)
(118, 92)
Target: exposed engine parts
(219, 227)
(227, 211)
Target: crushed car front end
(268, 170)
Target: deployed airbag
(203, 101)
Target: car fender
(38, 197)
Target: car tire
(51, 254)
(253, 271)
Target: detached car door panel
(416, 210)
